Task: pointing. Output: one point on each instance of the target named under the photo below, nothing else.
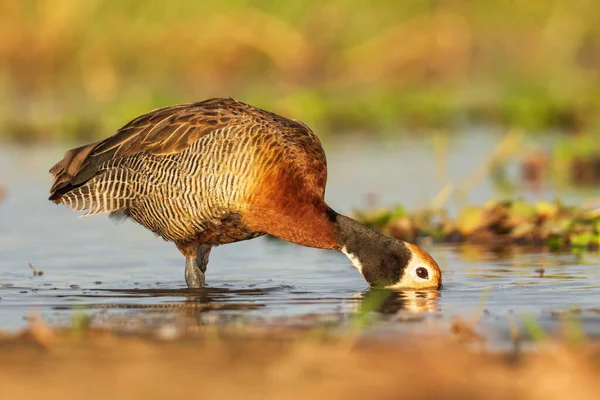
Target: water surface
(108, 269)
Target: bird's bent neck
(378, 258)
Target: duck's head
(384, 261)
(421, 271)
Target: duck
(220, 171)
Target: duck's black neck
(380, 259)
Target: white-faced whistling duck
(221, 171)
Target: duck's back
(217, 171)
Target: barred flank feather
(107, 192)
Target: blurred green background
(80, 69)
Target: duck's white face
(422, 272)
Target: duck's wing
(163, 131)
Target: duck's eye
(422, 273)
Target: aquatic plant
(498, 222)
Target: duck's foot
(194, 277)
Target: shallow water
(109, 269)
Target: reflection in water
(207, 299)
(495, 252)
(194, 305)
(203, 299)
(390, 302)
(414, 301)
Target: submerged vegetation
(549, 224)
(80, 72)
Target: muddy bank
(100, 364)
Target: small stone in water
(540, 271)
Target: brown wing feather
(163, 131)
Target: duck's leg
(194, 277)
(196, 259)
(202, 257)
